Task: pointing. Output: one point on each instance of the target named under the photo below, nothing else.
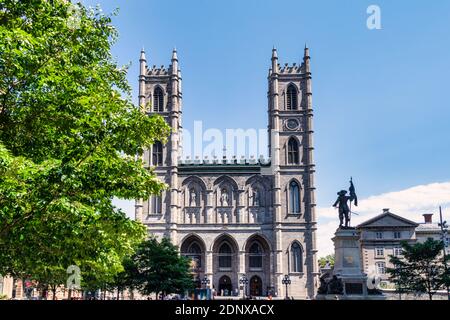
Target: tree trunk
(69, 295)
(118, 293)
(54, 292)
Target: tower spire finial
(174, 54)
(274, 60)
(306, 54)
(274, 53)
(142, 58)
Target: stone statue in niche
(256, 199)
(224, 198)
(192, 198)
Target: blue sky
(380, 96)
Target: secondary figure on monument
(342, 203)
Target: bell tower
(291, 150)
(160, 93)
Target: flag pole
(350, 213)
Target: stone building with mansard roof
(239, 217)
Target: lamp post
(205, 282)
(444, 231)
(244, 281)
(286, 281)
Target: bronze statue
(344, 209)
(335, 286)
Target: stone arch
(225, 236)
(260, 184)
(193, 247)
(257, 236)
(194, 184)
(194, 237)
(195, 179)
(225, 250)
(258, 260)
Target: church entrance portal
(225, 287)
(255, 286)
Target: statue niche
(255, 198)
(193, 198)
(224, 198)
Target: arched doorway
(225, 287)
(255, 286)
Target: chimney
(428, 217)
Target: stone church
(239, 217)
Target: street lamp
(205, 281)
(286, 281)
(444, 230)
(244, 281)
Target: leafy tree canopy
(69, 140)
(420, 269)
(328, 259)
(161, 269)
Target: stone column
(209, 218)
(209, 267)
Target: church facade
(236, 218)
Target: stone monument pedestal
(347, 264)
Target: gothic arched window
(294, 197)
(291, 98)
(158, 100)
(255, 256)
(293, 152)
(225, 256)
(157, 154)
(296, 258)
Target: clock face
(292, 124)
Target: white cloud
(410, 203)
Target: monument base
(347, 265)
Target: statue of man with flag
(342, 204)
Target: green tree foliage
(69, 140)
(126, 279)
(420, 269)
(323, 261)
(161, 269)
